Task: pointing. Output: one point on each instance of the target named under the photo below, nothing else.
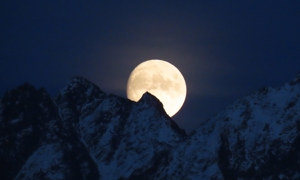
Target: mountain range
(84, 133)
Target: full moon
(161, 79)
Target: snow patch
(43, 161)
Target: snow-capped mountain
(86, 134)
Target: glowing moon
(161, 79)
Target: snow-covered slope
(121, 136)
(87, 134)
(257, 137)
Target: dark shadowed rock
(31, 130)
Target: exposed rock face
(86, 134)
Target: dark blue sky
(224, 49)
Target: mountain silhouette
(84, 133)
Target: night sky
(224, 49)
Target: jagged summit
(150, 100)
(148, 97)
(81, 86)
(85, 134)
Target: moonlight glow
(161, 79)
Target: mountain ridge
(83, 133)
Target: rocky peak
(151, 101)
(148, 97)
(79, 97)
(79, 91)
